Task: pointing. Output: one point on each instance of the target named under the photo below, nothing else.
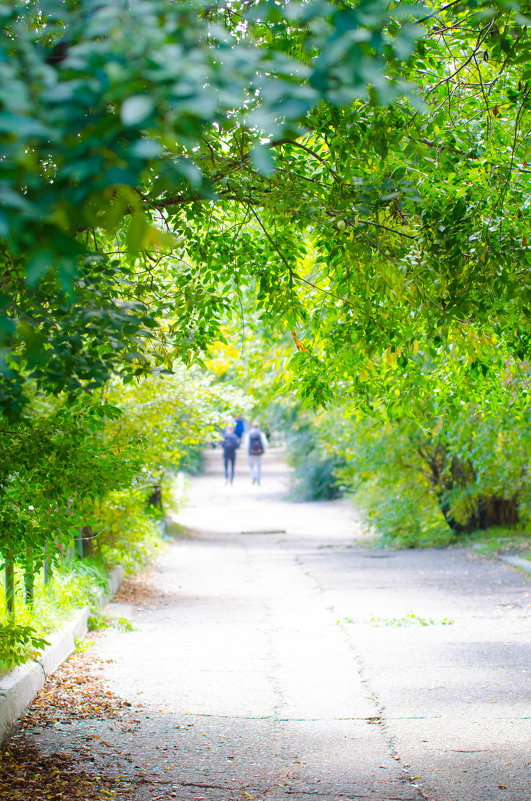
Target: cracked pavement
(291, 662)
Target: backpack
(255, 444)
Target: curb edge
(516, 561)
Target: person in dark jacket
(229, 444)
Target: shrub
(18, 643)
(128, 533)
(315, 472)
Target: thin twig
(291, 271)
(479, 42)
(439, 11)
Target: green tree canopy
(392, 240)
(115, 114)
(360, 168)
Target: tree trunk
(47, 566)
(488, 512)
(496, 511)
(155, 499)
(9, 572)
(84, 542)
(459, 528)
(29, 579)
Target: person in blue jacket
(239, 428)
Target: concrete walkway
(282, 661)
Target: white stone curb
(20, 686)
(516, 561)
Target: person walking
(229, 444)
(256, 442)
(239, 427)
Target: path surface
(283, 663)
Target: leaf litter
(141, 592)
(26, 774)
(75, 693)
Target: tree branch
(290, 269)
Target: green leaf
(38, 265)
(136, 110)
(263, 160)
(146, 148)
(136, 232)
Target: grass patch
(411, 619)
(175, 531)
(99, 622)
(72, 585)
(128, 534)
(501, 540)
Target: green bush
(192, 462)
(76, 583)
(18, 643)
(316, 479)
(128, 533)
(315, 475)
(431, 482)
(402, 513)
(73, 584)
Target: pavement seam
(363, 719)
(277, 690)
(380, 719)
